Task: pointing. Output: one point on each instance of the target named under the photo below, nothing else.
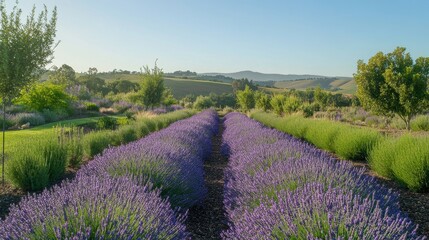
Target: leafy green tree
(123, 86)
(262, 101)
(321, 97)
(65, 75)
(291, 104)
(203, 102)
(246, 98)
(240, 85)
(42, 96)
(394, 84)
(152, 86)
(277, 103)
(168, 97)
(26, 47)
(93, 83)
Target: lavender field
(273, 186)
(278, 187)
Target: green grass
(15, 139)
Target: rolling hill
(340, 85)
(263, 77)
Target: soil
(208, 220)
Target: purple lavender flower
(278, 187)
(91, 207)
(171, 159)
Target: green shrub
(90, 106)
(34, 119)
(322, 134)
(127, 134)
(95, 142)
(27, 170)
(107, 123)
(8, 122)
(203, 102)
(123, 121)
(45, 96)
(411, 163)
(151, 124)
(141, 129)
(382, 155)
(277, 103)
(420, 123)
(307, 110)
(405, 159)
(355, 143)
(40, 163)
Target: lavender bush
(278, 187)
(91, 207)
(119, 195)
(171, 159)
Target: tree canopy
(26, 47)
(152, 86)
(393, 83)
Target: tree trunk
(4, 128)
(408, 123)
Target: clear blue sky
(290, 37)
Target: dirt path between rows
(208, 220)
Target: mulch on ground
(208, 220)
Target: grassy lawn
(16, 139)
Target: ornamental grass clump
(171, 159)
(279, 187)
(405, 159)
(91, 207)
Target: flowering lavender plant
(119, 195)
(171, 159)
(91, 207)
(278, 187)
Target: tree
(239, 85)
(26, 47)
(152, 86)
(394, 84)
(262, 101)
(277, 103)
(168, 97)
(65, 75)
(291, 104)
(203, 102)
(246, 98)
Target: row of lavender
(278, 187)
(134, 191)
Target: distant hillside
(340, 84)
(263, 77)
(179, 86)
